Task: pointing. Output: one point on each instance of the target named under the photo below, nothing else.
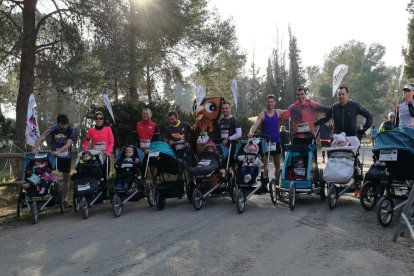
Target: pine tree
(295, 67)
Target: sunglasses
(98, 118)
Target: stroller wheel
(369, 195)
(197, 199)
(76, 203)
(160, 201)
(332, 196)
(61, 204)
(19, 210)
(189, 188)
(84, 207)
(232, 189)
(385, 211)
(241, 203)
(323, 191)
(33, 212)
(150, 193)
(273, 191)
(292, 195)
(116, 206)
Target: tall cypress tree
(295, 65)
(409, 53)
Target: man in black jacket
(344, 114)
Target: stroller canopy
(100, 154)
(401, 138)
(137, 153)
(46, 156)
(162, 147)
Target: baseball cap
(408, 86)
(391, 115)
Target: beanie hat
(391, 115)
(251, 148)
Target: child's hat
(340, 137)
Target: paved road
(264, 240)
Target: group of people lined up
(302, 113)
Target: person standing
(405, 110)
(344, 114)
(61, 136)
(325, 134)
(230, 131)
(388, 124)
(268, 120)
(177, 135)
(373, 133)
(102, 139)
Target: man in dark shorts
(61, 137)
(325, 133)
(230, 131)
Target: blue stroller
(244, 189)
(210, 175)
(136, 187)
(30, 197)
(299, 180)
(170, 172)
(394, 151)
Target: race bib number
(84, 187)
(202, 138)
(204, 162)
(154, 154)
(224, 133)
(303, 127)
(126, 165)
(299, 171)
(64, 153)
(100, 146)
(272, 146)
(144, 144)
(388, 155)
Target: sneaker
(42, 191)
(247, 178)
(357, 193)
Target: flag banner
(235, 92)
(338, 75)
(200, 95)
(32, 128)
(108, 106)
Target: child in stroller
(251, 161)
(86, 162)
(39, 177)
(298, 170)
(126, 170)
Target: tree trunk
(116, 92)
(149, 84)
(27, 64)
(132, 52)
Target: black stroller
(394, 151)
(89, 182)
(136, 187)
(210, 175)
(170, 173)
(30, 196)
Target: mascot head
(207, 112)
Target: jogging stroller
(89, 181)
(394, 151)
(300, 173)
(245, 188)
(39, 188)
(343, 172)
(210, 174)
(129, 185)
(170, 173)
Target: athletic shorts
(277, 151)
(64, 165)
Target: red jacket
(145, 133)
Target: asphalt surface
(217, 240)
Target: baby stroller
(170, 172)
(30, 196)
(135, 188)
(343, 172)
(245, 190)
(394, 151)
(89, 182)
(293, 180)
(210, 175)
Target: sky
(319, 26)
